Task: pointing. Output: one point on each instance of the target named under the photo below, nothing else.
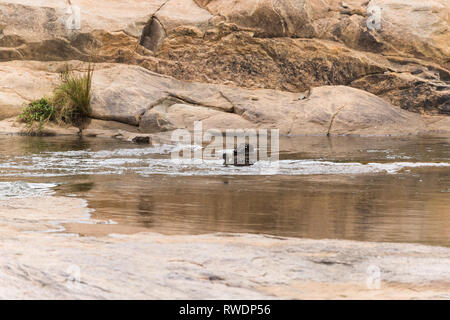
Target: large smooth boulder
(158, 103)
(151, 103)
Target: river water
(368, 189)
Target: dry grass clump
(69, 105)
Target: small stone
(141, 139)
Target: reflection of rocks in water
(145, 210)
(75, 187)
(365, 208)
(48, 144)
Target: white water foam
(283, 167)
(143, 161)
(19, 189)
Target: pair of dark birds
(242, 156)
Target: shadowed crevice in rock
(222, 107)
(408, 91)
(185, 99)
(150, 122)
(332, 119)
(153, 35)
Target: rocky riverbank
(40, 260)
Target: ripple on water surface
(386, 189)
(156, 160)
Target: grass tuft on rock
(72, 98)
(37, 112)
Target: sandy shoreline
(36, 263)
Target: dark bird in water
(242, 156)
